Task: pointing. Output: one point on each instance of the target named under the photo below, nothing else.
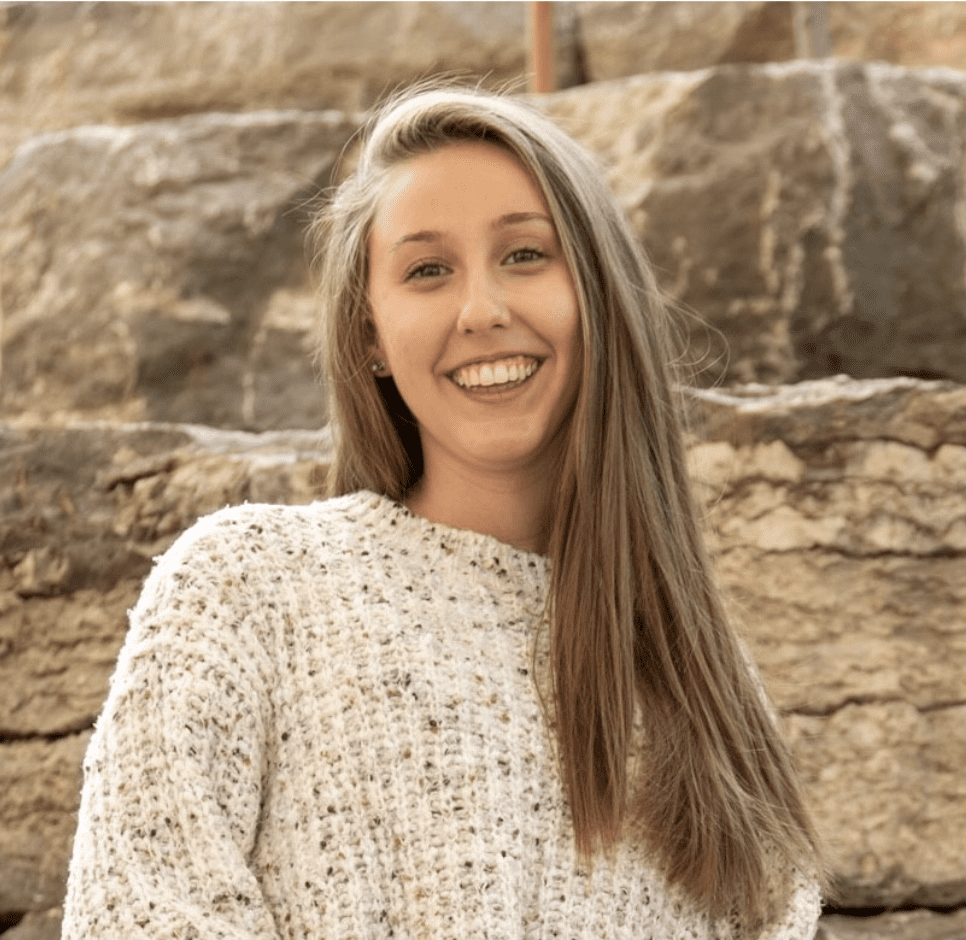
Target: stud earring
(377, 366)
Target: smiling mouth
(503, 373)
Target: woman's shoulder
(262, 527)
(258, 540)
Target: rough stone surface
(839, 515)
(618, 39)
(66, 64)
(159, 272)
(810, 212)
(40, 781)
(910, 34)
(626, 37)
(37, 925)
(899, 925)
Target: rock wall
(810, 213)
(69, 64)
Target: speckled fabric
(324, 725)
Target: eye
(523, 255)
(426, 270)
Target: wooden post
(542, 77)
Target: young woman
(487, 689)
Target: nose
(483, 307)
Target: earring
(377, 366)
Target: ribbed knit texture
(324, 725)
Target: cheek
(411, 336)
(569, 328)
(404, 349)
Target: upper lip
(495, 357)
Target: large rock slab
(67, 64)
(623, 38)
(898, 925)
(839, 514)
(809, 212)
(40, 782)
(159, 272)
(619, 38)
(906, 33)
(38, 925)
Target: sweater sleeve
(173, 773)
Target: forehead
(461, 181)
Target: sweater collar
(474, 548)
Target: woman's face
(475, 310)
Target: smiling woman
(476, 320)
(487, 688)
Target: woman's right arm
(173, 775)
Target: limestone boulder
(919, 924)
(41, 782)
(626, 37)
(839, 517)
(907, 33)
(67, 64)
(619, 39)
(809, 213)
(159, 272)
(38, 925)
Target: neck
(515, 509)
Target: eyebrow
(504, 221)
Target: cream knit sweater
(324, 726)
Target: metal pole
(541, 72)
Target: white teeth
(496, 373)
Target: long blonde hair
(636, 617)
